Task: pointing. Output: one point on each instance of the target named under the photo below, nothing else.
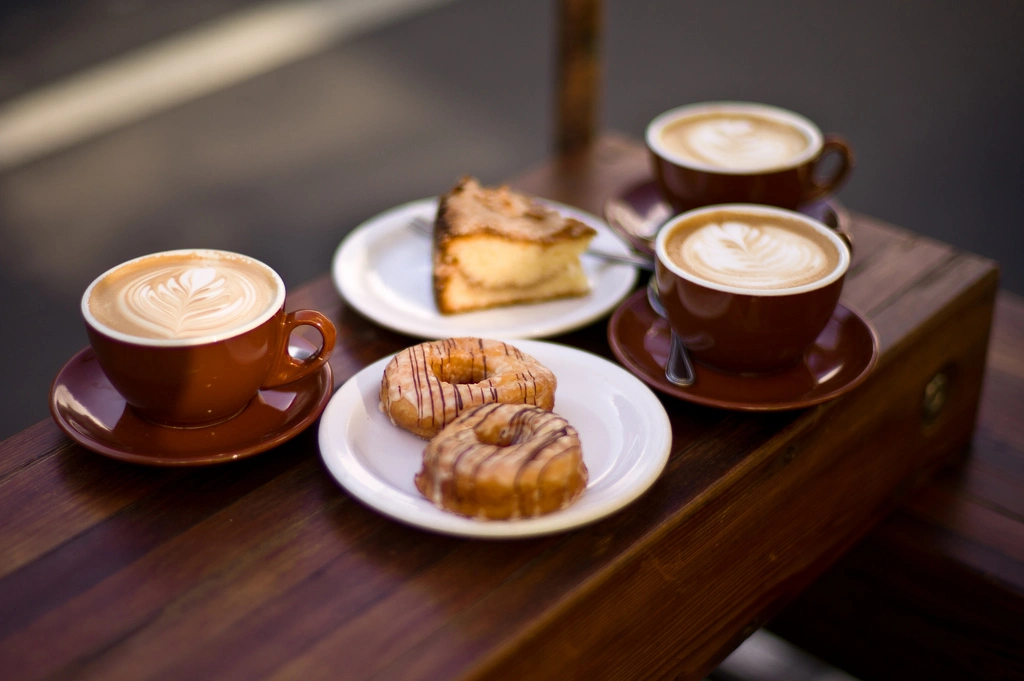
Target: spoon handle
(634, 259)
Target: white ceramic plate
(623, 428)
(383, 269)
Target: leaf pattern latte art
(186, 302)
(739, 144)
(754, 255)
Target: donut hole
(494, 435)
(456, 372)
(503, 434)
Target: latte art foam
(182, 296)
(734, 141)
(752, 252)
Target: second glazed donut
(425, 387)
(504, 461)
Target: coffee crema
(734, 140)
(754, 251)
(183, 295)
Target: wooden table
(265, 568)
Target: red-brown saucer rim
(88, 409)
(841, 359)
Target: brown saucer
(653, 211)
(840, 360)
(93, 414)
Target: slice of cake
(494, 246)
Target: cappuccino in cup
(739, 138)
(748, 288)
(184, 296)
(189, 338)
(756, 251)
(741, 152)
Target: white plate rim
(643, 463)
(610, 284)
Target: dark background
(282, 166)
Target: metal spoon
(639, 230)
(422, 226)
(678, 369)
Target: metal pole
(579, 73)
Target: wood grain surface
(265, 569)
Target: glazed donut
(503, 461)
(427, 385)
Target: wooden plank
(993, 486)
(913, 615)
(70, 591)
(62, 495)
(410, 616)
(30, 445)
(892, 269)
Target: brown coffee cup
(748, 288)
(741, 152)
(189, 337)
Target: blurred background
(274, 128)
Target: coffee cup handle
(836, 218)
(837, 146)
(288, 368)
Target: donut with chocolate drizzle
(427, 385)
(503, 462)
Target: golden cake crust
(469, 209)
